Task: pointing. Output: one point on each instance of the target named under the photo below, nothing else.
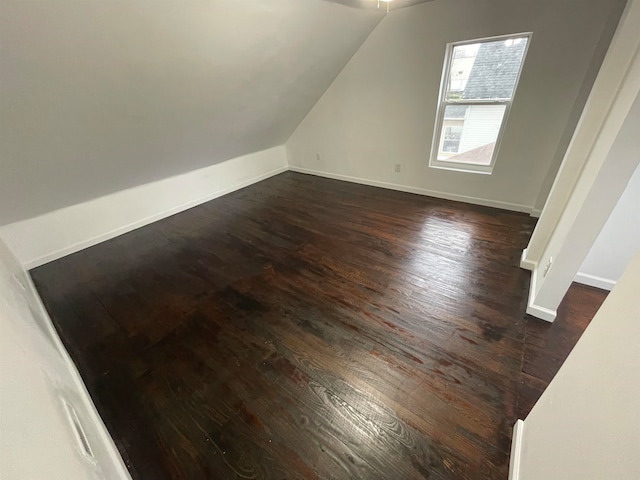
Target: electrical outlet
(398, 168)
(317, 156)
(547, 267)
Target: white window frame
(443, 102)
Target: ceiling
(98, 96)
(373, 4)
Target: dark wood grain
(310, 328)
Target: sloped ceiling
(382, 4)
(97, 96)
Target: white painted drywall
(599, 162)
(617, 242)
(99, 96)
(36, 376)
(60, 232)
(591, 126)
(586, 425)
(381, 109)
(599, 187)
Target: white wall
(600, 160)
(61, 232)
(595, 171)
(37, 440)
(586, 425)
(601, 183)
(100, 96)
(381, 109)
(617, 242)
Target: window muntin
(479, 80)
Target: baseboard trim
(542, 313)
(76, 247)
(594, 281)
(419, 191)
(534, 310)
(51, 236)
(526, 263)
(516, 450)
(535, 213)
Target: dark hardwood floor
(309, 328)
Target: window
(478, 83)
(451, 141)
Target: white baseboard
(420, 191)
(594, 281)
(526, 263)
(535, 213)
(535, 310)
(45, 238)
(516, 450)
(542, 313)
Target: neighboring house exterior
(489, 74)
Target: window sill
(462, 167)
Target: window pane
(455, 112)
(451, 141)
(485, 70)
(470, 139)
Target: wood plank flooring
(307, 328)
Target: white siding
(481, 126)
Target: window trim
(443, 102)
